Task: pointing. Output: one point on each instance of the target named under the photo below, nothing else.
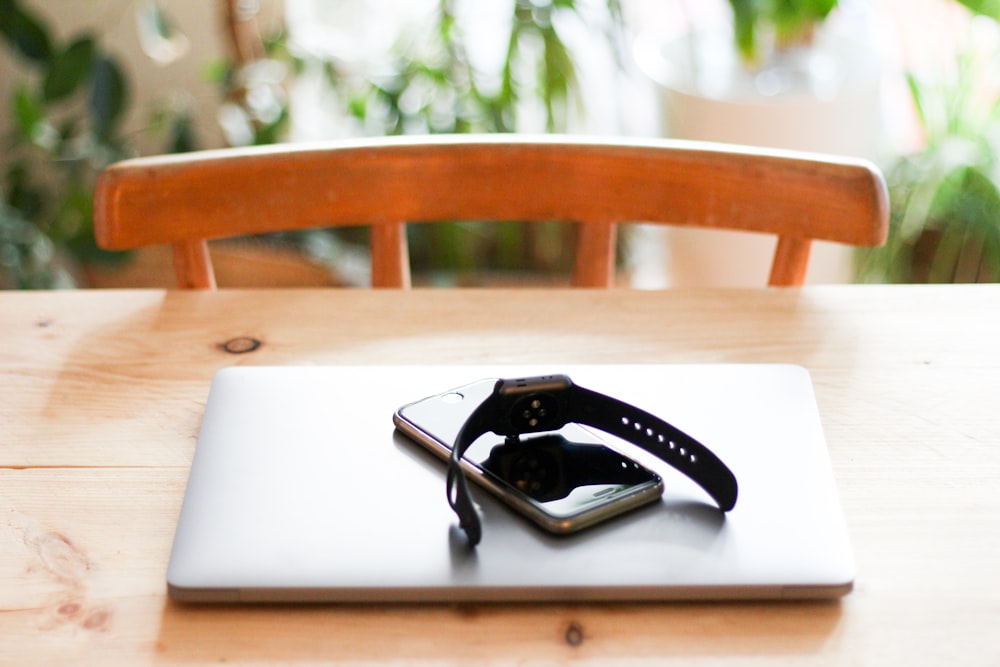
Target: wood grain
(102, 396)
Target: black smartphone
(563, 481)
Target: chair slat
(597, 183)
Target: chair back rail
(190, 198)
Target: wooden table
(101, 394)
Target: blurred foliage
(67, 118)
(945, 199)
(69, 109)
(65, 128)
(990, 8)
(430, 84)
(783, 22)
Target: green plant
(791, 22)
(787, 22)
(990, 8)
(430, 84)
(945, 199)
(68, 115)
(66, 126)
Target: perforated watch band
(547, 403)
(658, 437)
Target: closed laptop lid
(301, 490)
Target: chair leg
(595, 255)
(390, 256)
(193, 265)
(791, 261)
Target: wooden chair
(186, 199)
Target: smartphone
(563, 481)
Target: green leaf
(745, 15)
(26, 33)
(968, 198)
(108, 95)
(917, 96)
(22, 193)
(965, 213)
(69, 69)
(29, 111)
(558, 76)
(270, 133)
(794, 19)
(820, 9)
(182, 137)
(217, 71)
(989, 8)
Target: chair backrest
(186, 199)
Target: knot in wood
(241, 345)
(574, 634)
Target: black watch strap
(565, 403)
(479, 422)
(658, 437)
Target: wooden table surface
(101, 394)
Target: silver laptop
(301, 490)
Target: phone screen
(570, 476)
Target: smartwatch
(549, 402)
